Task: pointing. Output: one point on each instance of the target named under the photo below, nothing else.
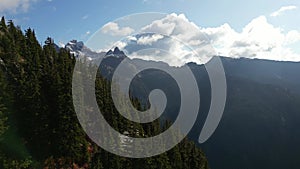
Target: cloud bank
(258, 39)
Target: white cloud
(258, 39)
(114, 29)
(121, 45)
(165, 28)
(173, 24)
(282, 10)
(149, 39)
(85, 17)
(181, 30)
(158, 55)
(132, 38)
(85, 35)
(292, 37)
(14, 6)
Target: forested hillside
(38, 124)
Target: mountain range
(259, 128)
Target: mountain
(79, 50)
(259, 128)
(116, 53)
(283, 74)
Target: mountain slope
(259, 128)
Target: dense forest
(38, 124)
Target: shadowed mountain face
(283, 74)
(259, 128)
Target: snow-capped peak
(79, 50)
(74, 45)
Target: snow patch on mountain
(79, 50)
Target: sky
(266, 29)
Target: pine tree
(36, 89)
(3, 104)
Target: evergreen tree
(36, 89)
(3, 104)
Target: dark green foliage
(36, 90)
(3, 105)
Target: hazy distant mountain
(259, 128)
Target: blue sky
(65, 20)
(229, 23)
